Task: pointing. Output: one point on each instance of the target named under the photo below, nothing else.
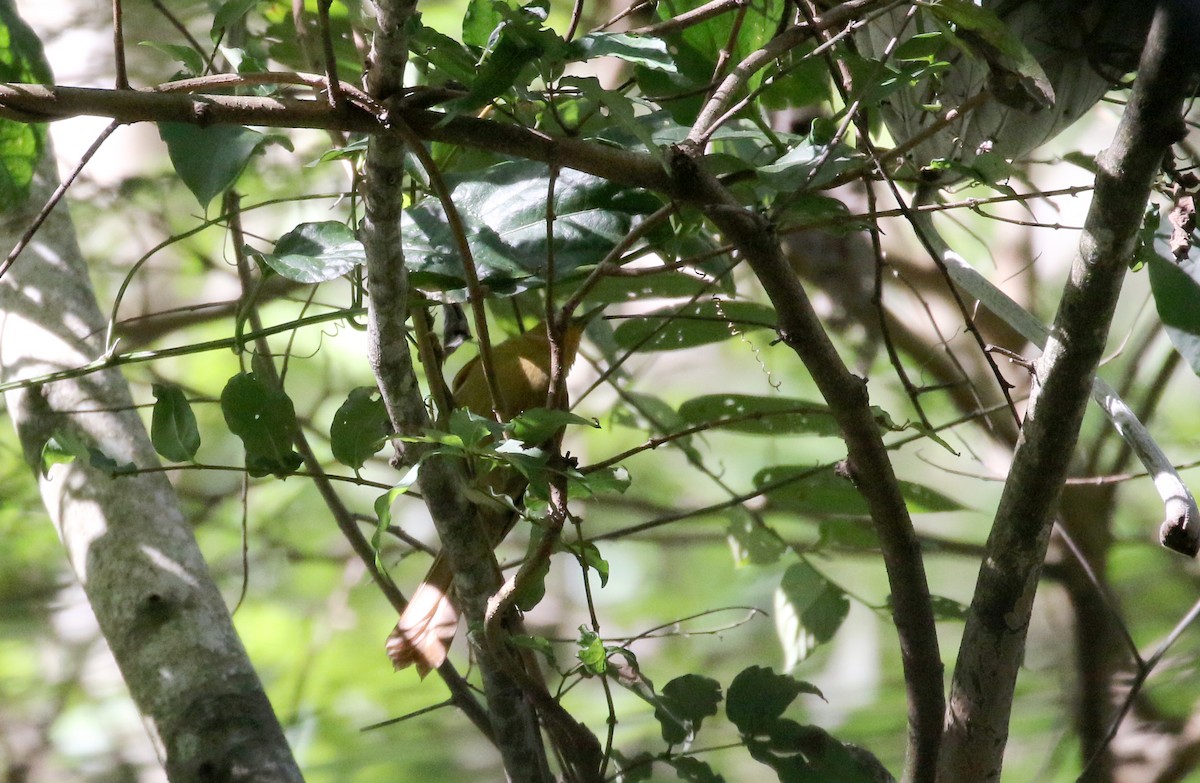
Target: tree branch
(126, 538)
(477, 575)
(867, 459)
(994, 638)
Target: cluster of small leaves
(755, 704)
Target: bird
(428, 623)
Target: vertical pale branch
(126, 538)
(994, 638)
(477, 575)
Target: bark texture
(126, 538)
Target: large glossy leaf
(504, 211)
(316, 252)
(21, 143)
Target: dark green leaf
(173, 429)
(758, 696)
(699, 324)
(503, 209)
(383, 510)
(825, 493)
(109, 466)
(264, 418)
(694, 770)
(538, 425)
(637, 769)
(589, 553)
(757, 415)
(1177, 296)
(209, 160)
(532, 590)
(843, 532)
(684, 704)
(809, 166)
(808, 611)
(948, 609)
(359, 428)
(668, 285)
(753, 542)
(316, 252)
(614, 479)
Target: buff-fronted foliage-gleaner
(522, 364)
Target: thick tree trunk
(126, 538)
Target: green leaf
(21, 144)
(1017, 79)
(592, 653)
(538, 425)
(809, 166)
(668, 285)
(758, 696)
(808, 754)
(480, 22)
(189, 58)
(640, 50)
(757, 415)
(359, 428)
(209, 160)
(503, 209)
(173, 429)
(383, 510)
(753, 542)
(265, 419)
(809, 609)
(1176, 289)
(521, 40)
(64, 447)
(109, 466)
(538, 644)
(693, 770)
(315, 252)
(823, 492)
(947, 608)
(61, 448)
(230, 13)
(696, 49)
(684, 704)
(533, 589)
(589, 553)
(673, 328)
